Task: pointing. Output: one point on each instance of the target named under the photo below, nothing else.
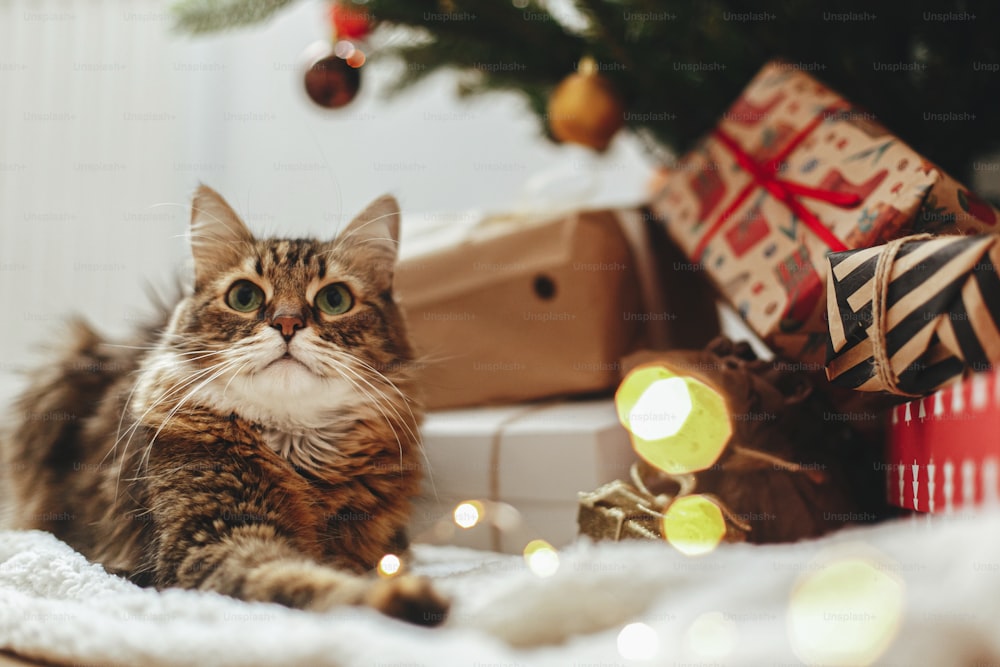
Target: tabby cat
(261, 442)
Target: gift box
(506, 310)
(791, 172)
(915, 314)
(522, 468)
(943, 453)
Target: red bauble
(350, 21)
(331, 83)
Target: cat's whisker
(345, 236)
(378, 406)
(365, 365)
(192, 355)
(130, 432)
(235, 373)
(227, 366)
(343, 366)
(138, 421)
(406, 402)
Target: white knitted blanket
(906, 593)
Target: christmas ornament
(350, 21)
(331, 82)
(585, 108)
(332, 78)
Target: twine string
(884, 370)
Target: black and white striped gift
(913, 315)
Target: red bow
(766, 176)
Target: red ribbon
(766, 176)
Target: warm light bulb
(343, 49)
(356, 59)
(468, 514)
(678, 423)
(846, 613)
(661, 409)
(542, 558)
(638, 641)
(694, 525)
(389, 565)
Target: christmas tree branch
(202, 16)
(679, 64)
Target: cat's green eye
(244, 296)
(334, 299)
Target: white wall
(108, 120)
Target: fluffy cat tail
(42, 444)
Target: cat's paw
(409, 598)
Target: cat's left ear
(374, 234)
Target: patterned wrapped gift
(915, 314)
(791, 172)
(943, 450)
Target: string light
(694, 525)
(389, 566)
(661, 409)
(468, 514)
(343, 49)
(542, 558)
(638, 641)
(356, 59)
(677, 423)
(845, 613)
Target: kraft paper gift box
(514, 309)
(791, 172)
(943, 451)
(914, 315)
(533, 457)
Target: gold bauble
(585, 108)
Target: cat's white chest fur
(302, 421)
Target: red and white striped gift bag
(944, 450)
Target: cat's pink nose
(287, 325)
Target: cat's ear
(218, 236)
(373, 236)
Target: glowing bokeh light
(468, 514)
(694, 525)
(712, 636)
(677, 423)
(661, 409)
(845, 613)
(389, 565)
(343, 49)
(356, 59)
(638, 641)
(542, 558)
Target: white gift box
(534, 458)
